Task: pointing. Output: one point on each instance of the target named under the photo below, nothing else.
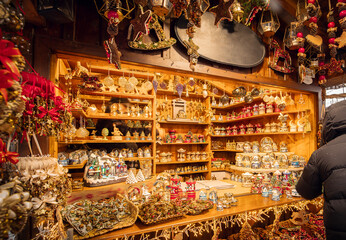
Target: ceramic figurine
(247, 179)
(202, 194)
(249, 128)
(105, 133)
(128, 136)
(130, 154)
(262, 109)
(217, 130)
(117, 135)
(242, 129)
(140, 153)
(273, 127)
(275, 195)
(248, 111)
(256, 162)
(172, 135)
(269, 108)
(283, 147)
(181, 155)
(293, 126)
(213, 196)
(220, 118)
(234, 130)
(255, 110)
(135, 135)
(265, 192)
(149, 137)
(228, 131)
(219, 206)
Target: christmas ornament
(160, 7)
(237, 11)
(280, 54)
(113, 54)
(179, 6)
(222, 11)
(140, 24)
(160, 34)
(131, 179)
(268, 24)
(192, 48)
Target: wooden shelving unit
(183, 162)
(81, 112)
(118, 95)
(193, 172)
(258, 134)
(202, 143)
(259, 116)
(183, 123)
(226, 150)
(105, 141)
(235, 105)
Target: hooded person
(325, 172)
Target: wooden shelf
(258, 134)
(203, 143)
(184, 162)
(263, 153)
(219, 170)
(226, 150)
(180, 123)
(264, 170)
(240, 104)
(81, 112)
(118, 95)
(168, 92)
(138, 158)
(105, 141)
(139, 102)
(76, 166)
(258, 116)
(193, 172)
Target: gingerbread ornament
(140, 24)
(222, 11)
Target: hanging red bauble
(341, 1)
(311, 1)
(300, 34)
(313, 19)
(342, 14)
(331, 25)
(112, 14)
(321, 64)
(331, 40)
(322, 79)
(301, 50)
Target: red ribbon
(7, 51)
(6, 156)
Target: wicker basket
(126, 222)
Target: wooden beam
(31, 14)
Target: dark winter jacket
(326, 170)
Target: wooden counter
(245, 203)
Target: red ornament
(313, 19)
(322, 77)
(300, 34)
(112, 14)
(331, 25)
(321, 64)
(301, 50)
(331, 40)
(311, 1)
(342, 14)
(341, 1)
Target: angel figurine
(117, 135)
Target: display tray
(119, 180)
(127, 222)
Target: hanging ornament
(179, 88)
(179, 6)
(155, 85)
(192, 48)
(332, 29)
(268, 24)
(114, 5)
(237, 11)
(160, 44)
(291, 39)
(314, 11)
(222, 11)
(280, 54)
(140, 24)
(113, 54)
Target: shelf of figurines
(229, 105)
(258, 134)
(102, 140)
(177, 139)
(118, 94)
(110, 116)
(229, 118)
(227, 150)
(174, 122)
(264, 170)
(184, 143)
(175, 93)
(181, 162)
(187, 170)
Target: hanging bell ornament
(237, 11)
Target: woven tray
(126, 222)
